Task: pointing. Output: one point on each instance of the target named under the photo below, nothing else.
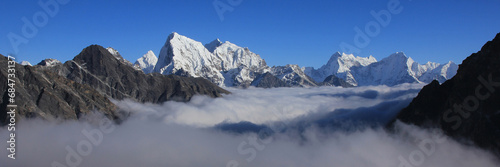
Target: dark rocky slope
(466, 106)
(41, 93)
(268, 80)
(96, 67)
(55, 90)
(333, 80)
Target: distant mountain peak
(173, 34)
(147, 62)
(49, 62)
(213, 45)
(368, 71)
(184, 56)
(25, 63)
(397, 55)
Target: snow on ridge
(25, 63)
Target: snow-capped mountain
(340, 64)
(392, 70)
(147, 62)
(293, 75)
(49, 62)
(25, 63)
(441, 73)
(225, 64)
(239, 65)
(233, 56)
(186, 57)
(229, 65)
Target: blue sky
(282, 32)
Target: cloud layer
(182, 134)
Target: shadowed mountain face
(88, 81)
(268, 80)
(333, 80)
(42, 93)
(468, 105)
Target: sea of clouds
(325, 126)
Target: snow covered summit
(147, 62)
(229, 65)
(392, 70)
(225, 64)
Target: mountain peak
(147, 62)
(173, 34)
(96, 58)
(213, 45)
(399, 55)
(176, 36)
(184, 56)
(49, 62)
(93, 49)
(25, 63)
(150, 52)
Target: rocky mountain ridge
(465, 107)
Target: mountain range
(229, 65)
(186, 67)
(460, 100)
(52, 89)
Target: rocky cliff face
(468, 105)
(42, 93)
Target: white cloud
(262, 106)
(179, 134)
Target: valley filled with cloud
(321, 126)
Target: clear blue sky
(282, 32)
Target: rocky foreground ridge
(87, 83)
(466, 107)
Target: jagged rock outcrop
(42, 93)
(333, 80)
(467, 105)
(268, 80)
(293, 75)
